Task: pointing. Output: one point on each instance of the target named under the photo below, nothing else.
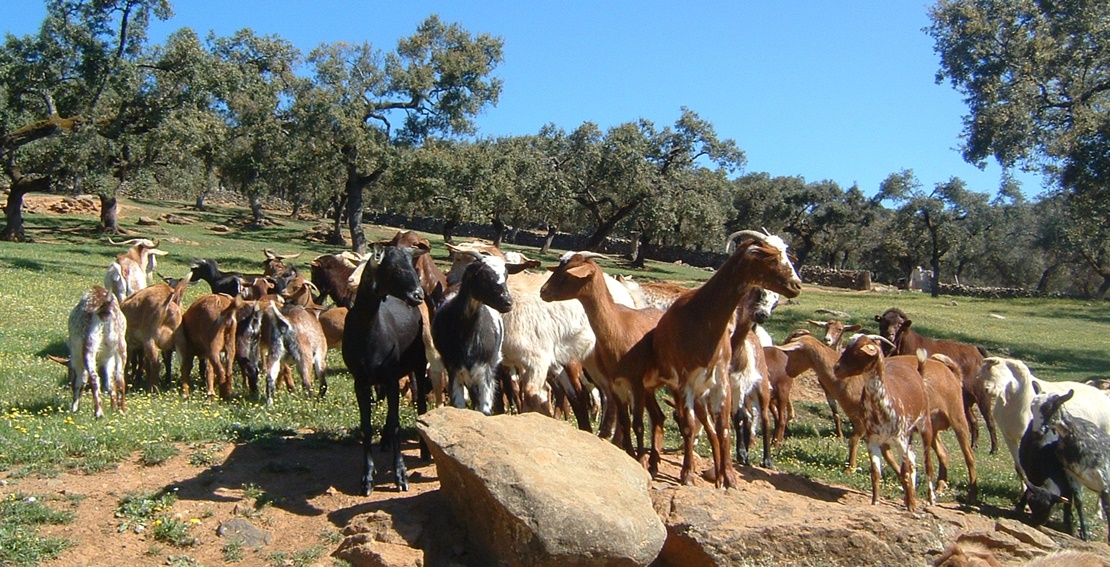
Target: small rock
(245, 532)
(147, 221)
(952, 303)
(995, 316)
(220, 228)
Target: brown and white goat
(834, 331)
(894, 326)
(894, 406)
(132, 270)
(806, 352)
(97, 349)
(207, 331)
(751, 388)
(153, 314)
(292, 332)
(622, 351)
(692, 349)
(274, 265)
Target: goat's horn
(269, 253)
(288, 256)
(881, 339)
(732, 238)
(588, 255)
(125, 242)
(154, 243)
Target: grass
(40, 283)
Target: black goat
(1084, 453)
(1046, 482)
(381, 344)
(467, 331)
(230, 283)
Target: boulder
(533, 491)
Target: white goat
(133, 270)
(1009, 383)
(97, 348)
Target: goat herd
(523, 343)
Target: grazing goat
(692, 349)
(894, 405)
(381, 344)
(894, 326)
(1012, 387)
(1045, 481)
(97, 349)
(292, 332)
(622, 352)
(208, 332)
(1084, 453)
(153, 314)
(468, 331)
(132, 270)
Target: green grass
(40, 283)
(20, 517)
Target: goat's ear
(1036, 388)
(1067, 396)
(822, 324)
(517, 268)
(580, 271)
(853, 328)
(878, 318)
(870, 349)
(905, 325)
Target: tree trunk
(498, 231)
(257, 215)
(1046, 275)
(606, 227)
(298, 203)
(449, 227)
(355, 184)
(551, 230)
(1105, 287)
(935, 263)
(13, 214)
(513, 234)
(200, 200)
(109, 214)
(336, 236)
(641, 250)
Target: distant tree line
(88, 104)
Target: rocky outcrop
(531, 491)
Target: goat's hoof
(768, 464)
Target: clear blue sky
(824, 90)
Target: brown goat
(207, 331)
(623, 349)
(153, 314)
(894, 405)
(894, 326)
(291, 331)
(945, 394)
(692, 346)
(331, 321)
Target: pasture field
(40, 283)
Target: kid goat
(692, 348)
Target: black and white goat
(381, 344)
(467, 330)
(97, 348)
(1083, 451)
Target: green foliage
(157, 453)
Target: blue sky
(843, 91)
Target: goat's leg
(273, 368)
(783, 407)
(78, 386)
(942, 462)
(1076, 489)
(638, 403)
(765, 420)
(964, 440)
(422, 385)
(928, 440)
(578, 395)
(320, 370)
(656, 418)
(1104, 497)
(211, 369)
(365, 410)
(687, 425)
(909, 476)
(985, 402)
(186, 372)
(608, 423)
(484, 389)
(167, 365)
(393, 430)
(972, 421)
(118, 379)
(853, 445)
(876, 470)
(726, 477)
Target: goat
(467, 331)
(1084, 453)
(944, 392)
(1045, 481)
(132, 270)
(381, 344)
(274, 264)
(894, 325)
(1011, 386)
(97, 349)
(331, 275)
(894, 405)
(622, 351)
(292, 332)
(331, 322)
(208, 331)
(749, 381)
(834, 331)
(227, 283)
(692, 349)
(153, 314)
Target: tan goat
(153, 314)
(132, 270)
(207, 331)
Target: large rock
(532, 491)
